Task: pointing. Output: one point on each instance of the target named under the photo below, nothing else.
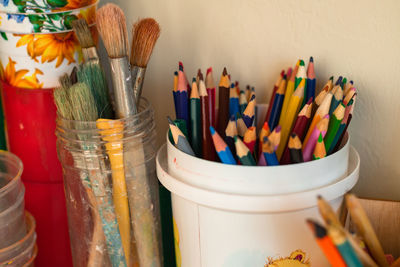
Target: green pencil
(195, 120)
(334, 124)
(300, 75)
(243, 153)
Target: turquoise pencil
(223, 151)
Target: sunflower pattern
(19, 78)
(40, 6)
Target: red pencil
(250, 138)
(210, 85)
(300, 128)
(208, 145)
(271, 100)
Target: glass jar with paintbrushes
(106, 144)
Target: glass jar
(110, 179)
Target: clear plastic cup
(10, 179)
(12, 222)
(21, 251)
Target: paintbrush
(84, 109)
(92, 75)
(145, 33)
(82, 32)
(112, 27)
(64, 108)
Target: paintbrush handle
(138, 78)
(125, 104)
(143, 205)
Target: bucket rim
(257, 203)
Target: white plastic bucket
(232, 216)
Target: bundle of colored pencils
(342, 248)
(300, 125)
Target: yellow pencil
(288, 93)
(292, 110)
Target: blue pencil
(343, 245)
(233, 101)
(182, 110)
(249, 112)
(277, 105)
(269, 153)
(222, 149)
(336, 99)
(311, 82)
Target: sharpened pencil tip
(212, 130)
(311, 59)
(232, 85)
(232, 118)
(301, 62)
(224, 72)
(180, 67)
(310, 101)
(331, 78)
(252, 97)
(175, 73)
(194, 80)
(235, 138)
(209, 70)
(319, 197)
(170, 121)
(278, 128)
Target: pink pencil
(321, 127)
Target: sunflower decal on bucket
(296, 259)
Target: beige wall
(256, 38)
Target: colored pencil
(288, 93)
(320, 128)
(326, 211)
(288, 74)
(292, 110)
(319, 150)
(249, 112)
(265, 131)
(347, 87)
(348, 120)
(195, 120)
(326, 244)
(343, 83)
(342, 126)
(275, 136)
(237, 87)
(325, 90)
(233, 100)
(294, 146)
(248, 92)
(185, 77)
(241, 126)
(299, 128)
(336, 99)
(222, 149)
(365, 229)
(322, 110)
(250, 138)
(311, 81)
(182, 97)
(174, 92)
(334, 124)
(351, 92)
(300, 76)
(339, 80)
(179, 138)
(208, 150)
(272, 98)
(269, 152)
(261, 160)
(243, 153)
(230, 133)
(198, 77)
(242, 101)
(223, 103)
(277, 105)
(342, 244)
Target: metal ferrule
(138, 77)
(90, 54)
(124, 98)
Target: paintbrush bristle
(63, 104)
(111, 24)
(65, 81)
(145, 33)
(83, 103)
(93, 76)
(82, 31)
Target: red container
(30, 116)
